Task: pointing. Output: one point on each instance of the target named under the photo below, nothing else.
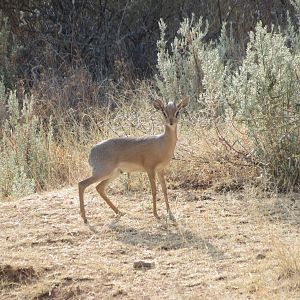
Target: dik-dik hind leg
(151, 175)
(161, 177)
(82, 185)
(101, 190)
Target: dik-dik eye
(177, 114)
(165, 114)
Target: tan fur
(150, 154)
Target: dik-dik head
(171, 110)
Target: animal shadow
(165, 239)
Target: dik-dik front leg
(161, 177)
(151, 175)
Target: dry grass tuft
(289, 263)
(203, 160)
(280, 277)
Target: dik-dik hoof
(120, 214)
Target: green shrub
(264, 95)
(260, 94)
(25, 149)
(192, 68)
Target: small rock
(143, 265)
(221, 278)
(260, 256)
(207, 197)
(165, 247)
(244, 222)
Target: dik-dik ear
(157, 103)
(182, 103)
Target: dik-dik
(150, 154)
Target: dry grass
(224, 246)
(205, 157)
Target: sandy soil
(223, 246)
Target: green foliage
(25, 149)
(228, 47)
(191, 68)
(264, 93)
(2, 102)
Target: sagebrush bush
(191, 68)
(31, 157)
(260, 95)
(14, 179)
(264, 96)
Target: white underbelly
(130, 167)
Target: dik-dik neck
(170, 136)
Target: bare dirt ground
(223, 246)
